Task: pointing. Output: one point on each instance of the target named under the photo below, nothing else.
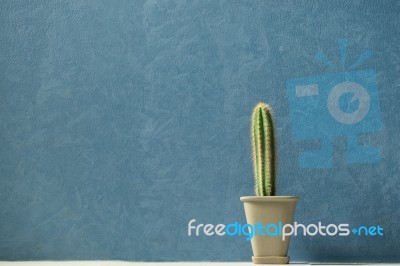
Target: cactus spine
(264, 151)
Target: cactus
(264, 151)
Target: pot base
(270, 260)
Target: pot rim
(268, 198)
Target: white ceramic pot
(270, 210)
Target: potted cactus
(266, 208)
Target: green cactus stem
(264, 151)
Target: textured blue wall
(122, 120)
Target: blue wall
(123, 120)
